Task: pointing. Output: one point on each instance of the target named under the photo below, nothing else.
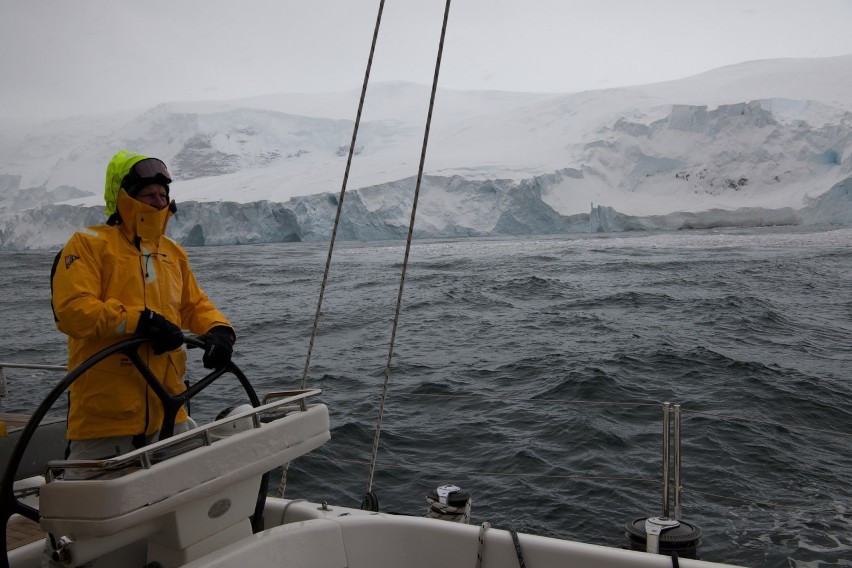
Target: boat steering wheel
(172, 403)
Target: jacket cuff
(224, 330)
(134, 313)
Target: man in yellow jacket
(127, 278)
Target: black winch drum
(683, 539)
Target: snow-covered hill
(763, 142)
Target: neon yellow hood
(117, 168)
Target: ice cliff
(667, 156)
(492, 208)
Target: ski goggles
(150, 168)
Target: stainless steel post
(677, 483)
(666, 448)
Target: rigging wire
(342, 192)
(304, 380)
(407, 252)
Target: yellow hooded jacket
(105, 277)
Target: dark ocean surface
(531, 372)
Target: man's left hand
(218, 346)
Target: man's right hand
(164, 335)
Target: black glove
(218, 346)
(164, 335)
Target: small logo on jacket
(69, 259)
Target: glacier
(494, 208)
(767, 149)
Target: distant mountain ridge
(759, 137)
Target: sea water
(532, 371)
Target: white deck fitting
(192, 502)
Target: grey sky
(60, 57)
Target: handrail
(147, 456)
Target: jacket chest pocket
(165, 287)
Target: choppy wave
(531, 372)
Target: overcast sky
(63, 57)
